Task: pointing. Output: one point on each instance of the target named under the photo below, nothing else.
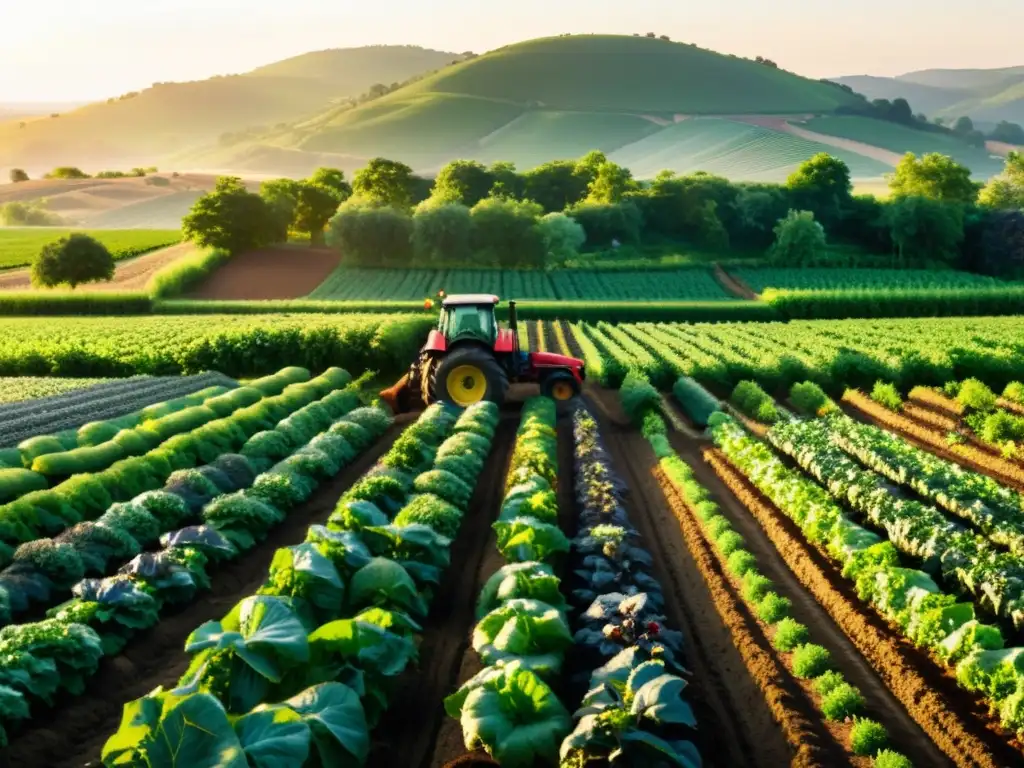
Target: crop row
(236, 502)
(761, 279)
(909, 599)
(338, 613)
(236, 345)
(19, 389)
(44, 569)
(18, 246)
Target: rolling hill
(168, 117)
(985, 95)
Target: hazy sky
(56, 50)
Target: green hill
(144, 127)
(929, 99)
(964, 79)
(993, 105)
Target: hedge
(920, 302)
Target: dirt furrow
(736, 725)
(408, 731)
(954, 720)
(907, 736)
(74, 731)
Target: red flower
(653, 627)
(428, 304)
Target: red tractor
(469, 358)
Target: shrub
(442, 234)
(842, 702)
(372, 236)
(1014, 392)
(827, 682)
(887, 395)
(562, 236)
(729, 542)
(811, 661)
(799, 240)
(867, 737)
(741, 562)
(756, 586)
(505, 233)
(890, 759)
(975, 396)
(772, 608)
(696, 401)
(72, 260)
(811, 399)
(789, 634)
(638, 397)
(754, 402)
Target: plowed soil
(74, 732)
(277, 272)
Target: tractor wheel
(425, 377)
(562, 388)
(468, 375)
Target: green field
(19, 245)
(355, 283)
(732, 149)
(164, 212)
(900, 139)
(832, 279)
(14, 389)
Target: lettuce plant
(531, 580)
(302, 573)
(526, 538)
(528, 631)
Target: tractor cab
(469, 357)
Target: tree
(505, 233)
(924, 230)
(333, 179)
(1002, 246)
(442, 234)
(282, 199)
(314, 207)
(822, 185)
(1006, 191)
(760, 208)
(384, 183)
(610, 184)
(16, 214)
(557, 185)
(72, 260)
(562, 236)
(799, 240)
(372, 235)
(18, 175)
(698, 207)
(900, 112)
(1008, 133)
(231, 218)
(963, 125)
(508, 183)
(463, 181)
(66, 172)
(935, 176)
(605, 222)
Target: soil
(73, 733)
(413, 721)
(734, 285)
(533, 336)
(276, 272)
(129, 274)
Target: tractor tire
(561, 387)
(467, 375)
(425, 377)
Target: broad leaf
(337, 722)
(273, 736)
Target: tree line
(476, 215)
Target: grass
(761, 279)
(688, 284)
(736, 150)
(901, 139)
(19, 245)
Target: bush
(72, 260)
(182, 275)
(605, 222)
(638, 397)
(754, 402)
(887, 395)
(811, 661)
(380, 237)
(811, 399)
(890, 759)
(741, 562)
(66, 172)
(563, 237)
(729, 542)
(789, 634)
(975, 396)
(867, 737)
(17, 175)
(842, 702)
(826, 683)
(28, 214)
(506, 234)
(756, 586)
(442, 234)
(772, 608)
(1014, 392)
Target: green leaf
(273, 737)
(644, 748)
(337, 721)
(520, 580)
(139, 719)
(528, 630)
(195, 732)
(385, 583)
(526, 538)
(661, 700)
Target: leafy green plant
(811, 399)
(890, 759)
(887, 395)
(867, 737)
(811, 661)
(789, 634)
(754, 402)
(525, 630)
(446, 486)
(511, 713)
(302, 573)
(756, 586)
(532, 580)
(772, 608)
(974, 395)
(842, 702)
(430, 510)
(384, 583)
(525, 539)
(825, 683)
(741, 562)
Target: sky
(80, 50)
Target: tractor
(469, 358)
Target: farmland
(759, 279)
(18, 246)
(190, 507)
(351, 283)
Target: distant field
(161, 212)
(18, 245)
(353, 283)
(736, 150)
(827, 279)
(897, 138)
(14, 389)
